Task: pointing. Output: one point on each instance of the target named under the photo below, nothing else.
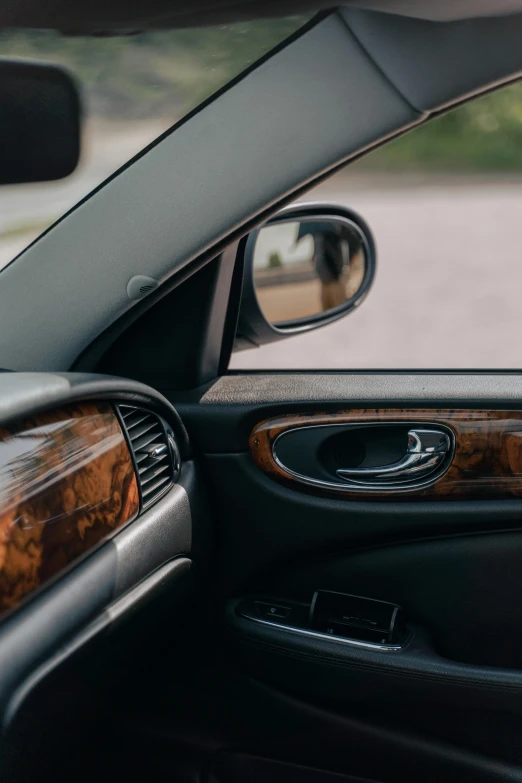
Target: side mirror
(307, 266)
(40, 127)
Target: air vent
(155, 452)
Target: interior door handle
(427, 450)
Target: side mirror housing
(307, 266)
(40, 127)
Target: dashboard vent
(156, 455)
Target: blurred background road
(448, 289)
(444, 201)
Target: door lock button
(266, 610)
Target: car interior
(217, 576)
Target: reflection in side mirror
(308, 266)
(305, 268)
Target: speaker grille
(155, 453)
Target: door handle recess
(426, 453)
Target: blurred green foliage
(482, 135)
(156, 73)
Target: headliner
(127, 16)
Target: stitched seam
(389, 671)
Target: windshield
(134, 88)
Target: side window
(444, 203)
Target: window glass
(444, 203)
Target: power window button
(275, 611)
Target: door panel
(222, 414)
(264, 525)
(447, 553)
(466, 590)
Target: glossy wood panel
(487, 461)
(67, 482)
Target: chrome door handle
(427, 450)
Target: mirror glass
(307, 267)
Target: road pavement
(448, 289)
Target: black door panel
(335, 672)
(264, 524)
(236, 768)
(451, 564)
(465, 590)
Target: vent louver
(155, 453)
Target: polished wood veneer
(487, 462)
(67, 482)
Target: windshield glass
(133, 88)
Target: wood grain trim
(67, 482)
(487, 461)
